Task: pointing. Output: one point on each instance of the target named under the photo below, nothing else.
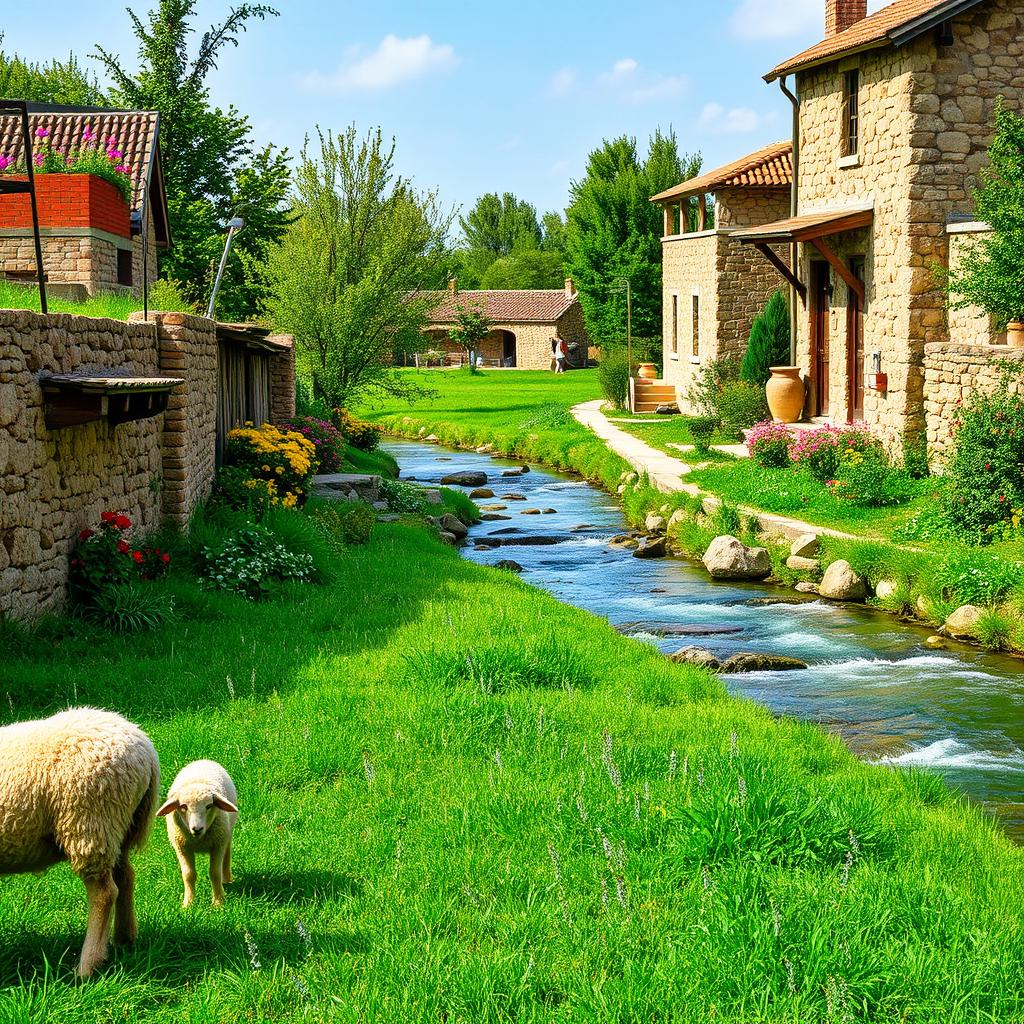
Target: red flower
(165, 559)
(108, 517)
(988, 466)
(122, 547)
(85, 535)
(123, 523)
(137, 555)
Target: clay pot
(1015, 334)
(786, 393)
(647, 371)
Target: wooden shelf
(72, 399)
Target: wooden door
(855, 343)
(821, 289)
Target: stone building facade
(896, 114)
(712, 286)
(523, 324)
(60, 468)
(92, 239)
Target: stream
(871, 681)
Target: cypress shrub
(769, 341)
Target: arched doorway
(508, 348)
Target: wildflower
(123, 523)
(165, 558)
(122, 548)
(137, 555)
(5, 162)
(38, 159)
(85, 535)
(107, 517)
(42, 133)
(88, 135)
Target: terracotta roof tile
(135, 132)
(771, 167)
(537, 306)
(871, 32)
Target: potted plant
(989, 273)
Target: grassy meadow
(452, 811)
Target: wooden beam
(857, 287)
(769, 254)
(669, 217)
(702, 213)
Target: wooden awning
(75, 398)
(813, 228)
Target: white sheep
(80, 786)
(201, 810)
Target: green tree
(212, 172)
(991, 274)
(614, 231)
(526, 268)
(496, 227)
(348, 278)
(769, 341)
(63, 82)
(471, 327)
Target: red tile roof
(771, 167)
(889, 25)
(136, 133)
(505, 307)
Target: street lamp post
(234, 225)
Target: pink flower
(38, 159)
(42, 133)
(115, 154)
(123, 169)
(5, 162)
(88, 135)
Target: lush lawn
(667, 431)
(522, 413)
(451, 810)
(114, 306)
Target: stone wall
(732, 282)
(953, 372)
(55, 483)
(926, 116)
(969, 326)
(282, 380)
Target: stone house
(92, 239)
(522, 325)
(713, 286)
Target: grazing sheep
(201, 805)
(80, 786)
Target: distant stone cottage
(522, 325)
(92, 240)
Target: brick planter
(69, 201)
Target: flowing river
(871, 681)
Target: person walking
(560, 350)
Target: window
(851, 113)
(675, 323)
(696, 326)
(124, 267)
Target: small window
(124, 267)
(851, 113)
(696, 326)
(675, 324)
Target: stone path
(666, 473)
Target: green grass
(524, 413)
(463, 801)
(792, 493)
(114, 306)
(667, 431)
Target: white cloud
(718, 120)
(638, 86)
(781, 19)
(562, 82)
(394, 62)
(623, 68)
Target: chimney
(453, 286)
(841, 14)
(570, 288)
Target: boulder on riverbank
(963, 623)
(655, 523)
(453, 525)
(701, 657)
(806, 545)
(754, 662)
(651, 547)
(482, 492)
(841, 583)
(509, 565)
(466, 478)
(728, 558)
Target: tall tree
(212, 171)
(348, 280)
(496, 227)
(64, 82)
(613, 231)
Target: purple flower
(38, 159)
(5, 162)
(42, 133)
(88, 135)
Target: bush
(402, 497)
(974, 577)
(328, 441)
(708, 383)
(358, 433)
(769, 341)
(820, 451)
(613, 374)
(345, 523)
(768, 444)
(278, 464)
(984, 494)
(253, 563)
(741, 405)
(868, 479)
(702, 430)
(131, 608)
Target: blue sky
(487, 96)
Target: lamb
(201, 810)
(80, 786)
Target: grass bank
(114, 306)
(452, 811)
(523, 413)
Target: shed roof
(771, 167)
(507, 306)
(137, 136)
(893, 25)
